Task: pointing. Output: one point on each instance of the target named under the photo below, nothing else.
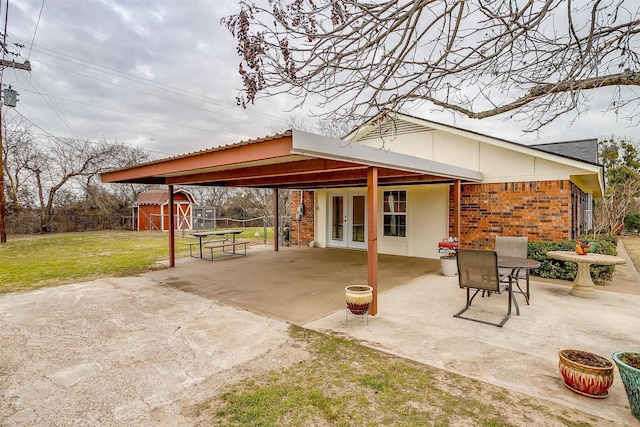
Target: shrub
(555, 269)
(632, 222)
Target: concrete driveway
(138, 350)
(125, 352)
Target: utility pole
(11, 103)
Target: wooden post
(275, 219)
(372, 236)
(3, 230)
(172, 251)
(457, 189)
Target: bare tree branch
(480, 58)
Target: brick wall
(306, 221)
(539, 210)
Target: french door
(347, 220)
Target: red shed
(151, 211)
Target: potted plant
(628, 363)
(358, 298)
(448, 261)
(586, 373)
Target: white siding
(498, 162)
(320, 218)
(429, 219)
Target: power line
(33, 39)
(138, 115)
(53, 106)
(135, 90)
(137, 79)
(62, 140)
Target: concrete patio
(305, 286)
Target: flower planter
(358, 298)
(449, 265)
(586, 373)
(630, 377)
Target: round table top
(588, 258)
(514, 262)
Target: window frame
(398, 217)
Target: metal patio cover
(299, 160)
(293, 159)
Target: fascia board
(308, 144)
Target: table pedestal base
(583, 292)
(583, 286)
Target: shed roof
(159, 197)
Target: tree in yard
(247, 203)
(42, 172)
(537, 60)
(61, 161)
(18, 149)
(622, 176)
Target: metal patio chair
(478, 270)
(514, 247)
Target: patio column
(372, 236)
(172, 252)
(457, 190)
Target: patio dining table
(516, 265)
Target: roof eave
(309, 144)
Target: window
(395, 213)
(588, 212)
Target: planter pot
(586, 373)
(449, 266)
(358, 298)
(630, 378)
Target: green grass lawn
(48, 260)
(632, 245)
(346, 384)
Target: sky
(162, 75)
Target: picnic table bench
(217, 239)
(225, 244)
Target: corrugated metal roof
(210, 150)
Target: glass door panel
(337, 220)
(357, 221)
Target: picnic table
(216, 239)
